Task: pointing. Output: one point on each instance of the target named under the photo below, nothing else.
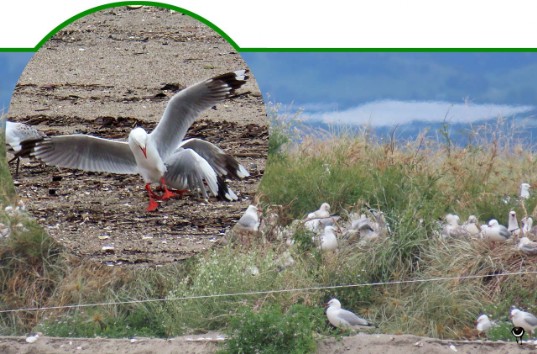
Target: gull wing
(530, 319)
(223, 164)
(185, 106)
(17, 133)
(88, 153)
(352, 319)
(187, 170)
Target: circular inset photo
(144, 136)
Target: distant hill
(515, 130)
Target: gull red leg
(153, 205)
(167, 193)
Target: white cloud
(390, 112)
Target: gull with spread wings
(161, 156)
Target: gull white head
(334, 303)
(325, 207)
(452, 219)
(483, 323)
(252, 209)
(482, 318)
(493, 222)
(138, 140)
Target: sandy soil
(103, 75)
(361, 343)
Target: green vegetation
(414, 183)
(272, 331)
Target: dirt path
(103, 75)
(201, 344)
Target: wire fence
(267, 292)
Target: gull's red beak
(144, 151)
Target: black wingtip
(233, 79)
(224, 193)
(27, 147)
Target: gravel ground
(105, 74)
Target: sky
(380, 89)
(11, 67)
(383, 89)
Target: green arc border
(250, 50)
(119, 4)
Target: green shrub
(272, 330)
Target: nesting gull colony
(331, 233)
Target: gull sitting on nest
(312, 222)
(367, 229)
(328, 239)
(495, 232)
(525, 245)
(452, 227)
(471, 226)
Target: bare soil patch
(207, 343)
(105, 74)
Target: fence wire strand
(265, 292)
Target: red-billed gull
(32, 338)
(527, 246)
(16, 135)
(483, 324)
(323, 212)
(249, 221)
(161, 156)
(342, 318)
(512, 224)
(471, 226)
(328, 239)
(313, 220)
(495, 232)
(523, 319)
(453, 228)
(527, 227)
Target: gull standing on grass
(483, 324)
(342, 318)
(161, 156)
(523, 319)
(512, 225)
(249, 221)
(16, 135)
